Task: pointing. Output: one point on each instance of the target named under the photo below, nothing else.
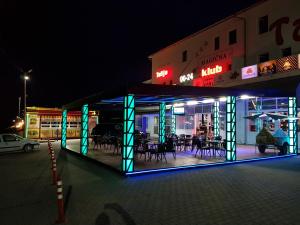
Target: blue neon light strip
(128, 134)
(64, 129)
(231, 128)
(208, 165)
(292, 125)
(84, 129)
(162, 122)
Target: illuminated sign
(287, 63)
(267, 68)
(162, 73)
(178, 110)
(249, 72)
(187, 77)
(211, 70)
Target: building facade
(45, 123)
(256, 46)
(215, 56)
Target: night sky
(77, 48)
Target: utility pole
(25, 77)
(19, 107)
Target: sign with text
(162, 73)
(249, 72)
(178, 110)
(186, 77)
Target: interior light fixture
(222, 99)
(246, 97)
(178, 104)
(209, 100)
(192, 103)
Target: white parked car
(13, 142)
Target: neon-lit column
(292, 127)
(216, 118)
(128, 134)
(230, 128)
(173, 121)
(64, 129)
(84, 134)
(162, 122)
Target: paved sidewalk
(260, 193)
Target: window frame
(263, 28)
(230, 41)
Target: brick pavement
(260, 193)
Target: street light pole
(26, 77)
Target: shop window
(282, 103)
(73, 124)
(269, 104)
(217, 43)
(286, 52)
(232, 37)
(184, 56)
(45, 124)
(263, 57)
(55, 124)
(180, 122)
(263, 24)
(155, 127)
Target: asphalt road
(259, 193)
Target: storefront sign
(211, 70)
(267, 68)
(187, 77)
(287, 63)
(249, 72)
(279, 24)
(178, 110)
(214, 58)
(162, 73)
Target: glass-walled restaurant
(148, 129)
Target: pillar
(64, 128)
(128, 134)
(162, 122)
(173, 121)
(84, 133)
(230, 128)
(292, 125)
(216, 118)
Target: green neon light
(231, 128)
(84, 130)
(292, 125)
(162, 122)
(64, 129)
(173, 121)
(216, 119)
(128, 133)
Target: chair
(170, 147)
(222, 149)
(187, 143)
(161, 152)
(143, 150)
(203, 148)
